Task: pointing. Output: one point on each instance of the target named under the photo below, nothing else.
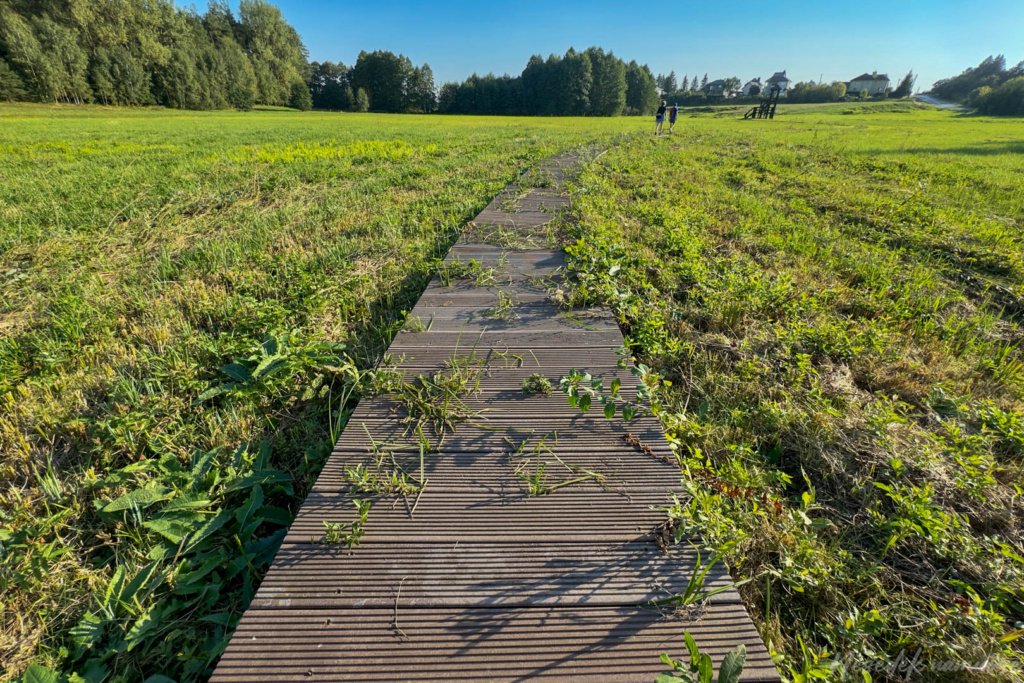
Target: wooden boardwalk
(479, 578)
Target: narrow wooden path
(530, 553)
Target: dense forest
(379, 81)
(990, 87)
(148, 52)
(139, 52)
(588, 83)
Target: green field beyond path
(835, 296)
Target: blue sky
(830, 39)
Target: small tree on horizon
(300, 98)
(668, 83)
(362, 101)
(906, 86)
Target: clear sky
(811, 39)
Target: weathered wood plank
(492, 572)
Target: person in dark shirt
(659, 118)
(673, 114)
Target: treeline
(809, 92)
(588, 83)
(141, 52)
(990, 87)
(379, 81)
(699, 91)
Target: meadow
(188, 299)
(831, 304)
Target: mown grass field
(834, 301)
(836, 297)
(141, 253)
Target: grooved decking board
(477, 578)
(473, 644)
(479, 575)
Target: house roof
(719, 82)
(870, 77)
(778, 77)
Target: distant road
(941, 104)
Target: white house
(873, 83)
(753, 87)
(778, 80)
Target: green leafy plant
(438, 400)
(537, 384)
(694, 593)
(700, 669)
(504, 309)
(536, 479)
(271, 365)
(348, 534)
(382, 481)
(454, 270)
(415, 324)
(583, 390)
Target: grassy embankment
(141, 252)
(837, 298)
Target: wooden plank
(468, 644)
(483, 575)
(509, 513)
(480, 575)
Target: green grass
(188, 300)
(835, 302)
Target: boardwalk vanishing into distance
(532, 551)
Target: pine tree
(551, 87)
(419, 88)
(329, 86)
(533, 85)
(669, 85)
(641, 90)
(384, 76)
(608, 83)
(576, 81)
(685, 87)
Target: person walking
(673, 114)
(659, 118)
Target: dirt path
(941, 104)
